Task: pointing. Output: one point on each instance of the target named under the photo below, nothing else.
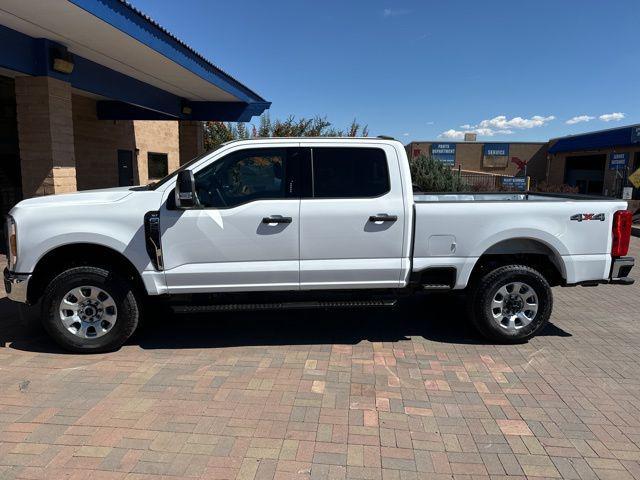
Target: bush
(546, 187)
(430, 175)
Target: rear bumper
(16, 285)
(620, 269)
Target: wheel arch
(528, 251)
(78, 254)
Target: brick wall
(556, 167)
(191, 140)
(45, 133)
(158, 137)
(469, 157)
(97, 143)
(64, 147)
(558, 161)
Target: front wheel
(89, 309)
(511, 303)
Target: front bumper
(16, 285)
(620, 269)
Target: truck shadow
(437, 318)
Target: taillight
(621, 233)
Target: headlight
(12, 242)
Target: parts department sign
(444, 153)
(495, 155)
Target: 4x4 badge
(579, 217)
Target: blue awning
(137, 69)
(615, 137)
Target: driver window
(243, 177)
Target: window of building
(349, 172)
(242, 177)
(157, 165)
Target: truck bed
(455, 229)
(423, 197)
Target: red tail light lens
(621, 233)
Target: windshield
(159, 183)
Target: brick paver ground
(372, 394)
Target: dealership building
(95, 94)
(505, 158)
(598, 163)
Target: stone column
(45, 134)
(191, 140)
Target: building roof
(477, 142)
(114, 35)
(186, 46)
(613, 137)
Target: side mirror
(186, 190)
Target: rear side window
(349, 172)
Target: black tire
(117, 287)
(486, 288)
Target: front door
(352, 223)
(246, 235)
(125, 168)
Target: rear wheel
(511, 303)
(89, 309)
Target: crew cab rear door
(352, 220)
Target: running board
(234, 307)
(436, 287)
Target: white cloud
(579, 119)
(501, 122)
(483, 132)
(452, 134)
(612, 117)
(406, 134)
(499, 125)
(430, 123)
(392, 12)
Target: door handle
(275, 219)
(383, 218)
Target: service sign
(444, 152)
(618, 161)
(515, 183)
(495, 155)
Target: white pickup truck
(308, 222)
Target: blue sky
(422, 70)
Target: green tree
(216, 133)
(431, 175)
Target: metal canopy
(121, 55)
(615, 137)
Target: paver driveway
(403, 394)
